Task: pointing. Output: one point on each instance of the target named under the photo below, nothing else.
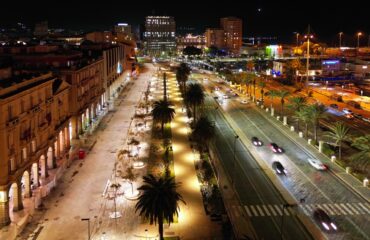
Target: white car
(317, 164)
(347, 111)
(225, 96)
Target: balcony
(12, 122)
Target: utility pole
(164, 87)
(308, 36)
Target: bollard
(285, 120)
(300, 134)
(278, 118)
(333, 158)
(292, 128)
(272, 112)
(366, 182)
(348, 170)
(261, 106)
(267, 109)
(309, 141)
(321, 146)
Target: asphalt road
(318, 189)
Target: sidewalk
(193, 223)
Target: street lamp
(340, 39)
(308, 37)
(234, 165)
(297, 35)
(285, 206)
(358, 39)
(88, 226)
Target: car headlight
(334, 226)
(326, 226)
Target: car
(275, 148)
(333, 105)
(256, 141)
(356, 115)
(347, 111)
(366, 119)
(317, 164)
(225, 96)
(324, 220)
(279, 168)
(244, 101)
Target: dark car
(275, 148)
(356, 115)
(256, 141)
(333, 105)
(279, 168)
(324, 220)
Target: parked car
(333, 105)
(347, 111)
(275, 148)
(366, 119)
(256, 141)
(279, 168)
(317, 164)
(356, 115)
(324, 220)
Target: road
(319, 189)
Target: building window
(24, 154)
(12, 164)
(33, 145)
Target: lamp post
(234, 150)
(297, 35)
(358, 39)
(88, 226)
(285, 206)
(340, 39)
(308, 37)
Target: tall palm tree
(182, 75)
(159, 200)
(316, 112)
(203, 131)
(297, 103)
(194, 97)
(282, 94)
(361, 159)
(272, 94)
(339, 134)
(163, 113)
(262, 85)
(303, 115)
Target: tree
(194, 97)
(191, 51)
(272, 94)
(339, 134)
(297, 103)
(182, 75)
(163, 112)
(262, 85)
(282, 94)
(315, 113)
(131, 177)
(203, 131)
(250, 65)
(303, 115)
(361, 159)
(159, 201)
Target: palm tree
(194, 97)
(159, 201)
(297, 103)
(339, 134)
(250, 65)
(316, 112)
(163, 112)
(272, 94)
(361, 159)
(203, 131)
(303, 115)
(182, 75)
(262, 85)
(282, 94)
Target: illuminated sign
(330, 62)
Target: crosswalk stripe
(254, 211)
(335, 211)
(248, 211)
(272, 210)
(266, 210)
(309, 207)
(260, 210)
(305, 210)
(363, 206)
(352, 208)
(328, 209)
(345, 207)
(358, 208)
(286, 212)
(340, 209)
(278, 209)
(367, 205)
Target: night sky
(260, 18)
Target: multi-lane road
(259, 198)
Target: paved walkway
(193, 223)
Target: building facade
(189, 40)
(215, 37)
(160, 35)
(233, 31)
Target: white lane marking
(266, 210)
(345, 207)
(358, 208)
(248, 211)
(340, 209)
(260, 210)
(277, 207)
(364, 207)
(352, 208)
(272, 210)
(305, 210)
(254, 211)
(325, 206)
(334, 210)
(286, 212)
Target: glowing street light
(340, 39)
(297, 36)
(308, 37)
(358, 39)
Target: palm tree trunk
(340, 151)
(315, 131)
(306, 130)
(282, 109)
(298, 125)
(160, 227)
(194, 113)
(162, 128)
(262, 94)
